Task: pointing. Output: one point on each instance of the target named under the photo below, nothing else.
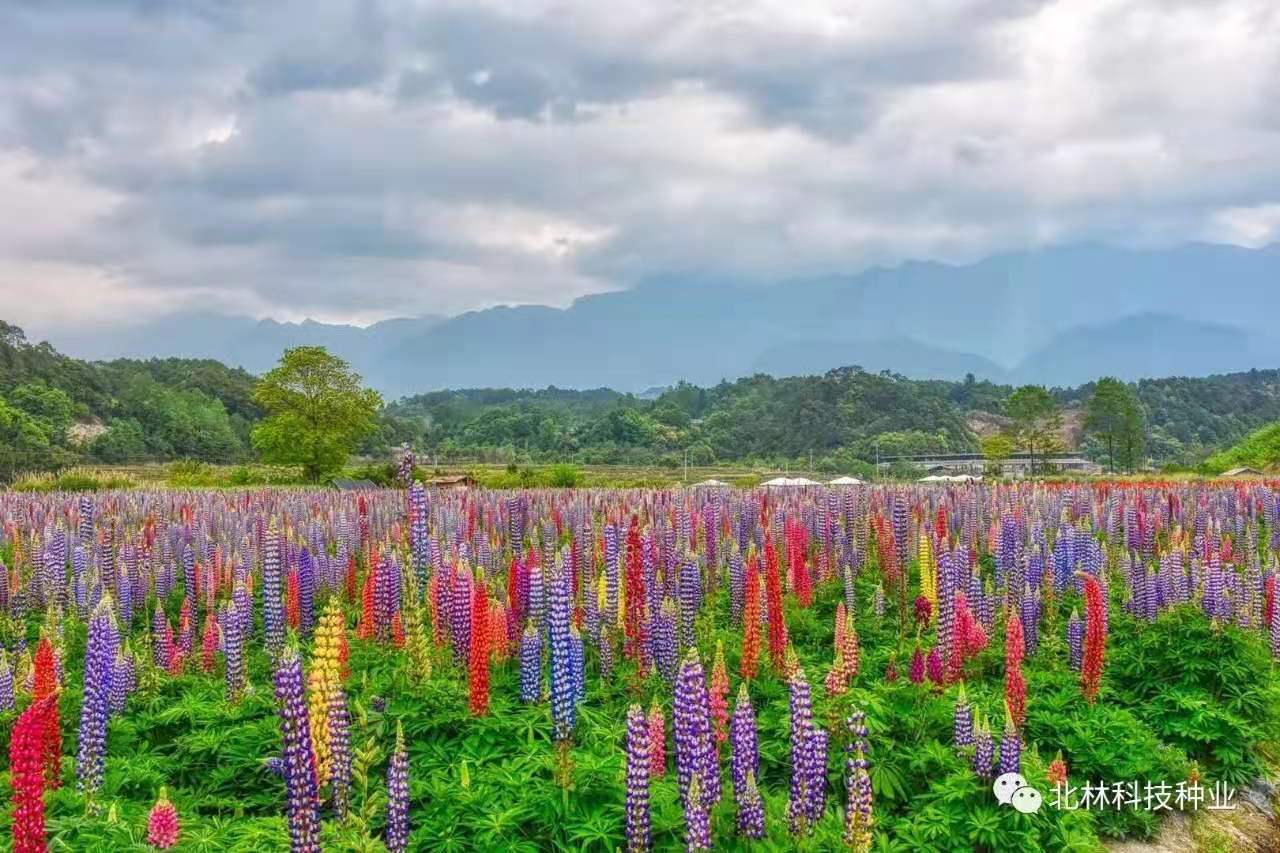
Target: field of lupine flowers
(592, 669)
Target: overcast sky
(354, 161)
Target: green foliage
(1115, 416)
(1037, 420)
(1261, 450)
(317, 412)
(1215, 696)
(564, 476)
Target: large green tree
(1116, 418)
(1037, 420)
(317, 412)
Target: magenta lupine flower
(858, 810)
(933, 666)
(638, 760)
(398, 796)
(99, 658)
(1075, 640)
(691, 722)
(530, 664)
(299, 762)
(916, 672)
(272, 590)
(340, 749)
(963, 720)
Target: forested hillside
(55, 410)
(843, 417)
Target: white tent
(845, 481)
(790, 482)
(710, 484)
(934, 478)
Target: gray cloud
(375, 157)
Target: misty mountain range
(1057, 316)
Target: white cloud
(411, 157)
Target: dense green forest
(56, 410)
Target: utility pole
(686, 466)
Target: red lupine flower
(773, 595)
(344, 653)
(349, 585)
(749, 664)
(1015, 686)
(1095, 639)
(719, 696)
(657, 742)
(397, 631)
(209, 643)
(1057, 770)
(368, 626)
(27, 752)
(292, 606)
(45, 685)
(162, 823)
(479, 660)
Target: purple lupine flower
(808, 748)
(233, 651)
(666, 655)
(1010, 748)
(275, 766)
(272, 591)
(1275, 626)
(1029, 613)
(751, 810)
(340, 751)
(737, 586)
(306, 592)
(606, 651)
(858, 810)
(578, 660)
(963, 725)
(100, 654)
(124, 678)
(398, 796)
(638, 760)
(690, 581)
(530, 664)
(611, 579)
(161, 638)
(6, 680)
(697, 818)
(745, 743)
(299, 763)
(691, 722)
(563, 685)
(983, 752)
(1075, 640)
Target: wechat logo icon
(1011, 789)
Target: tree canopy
(317, 412)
